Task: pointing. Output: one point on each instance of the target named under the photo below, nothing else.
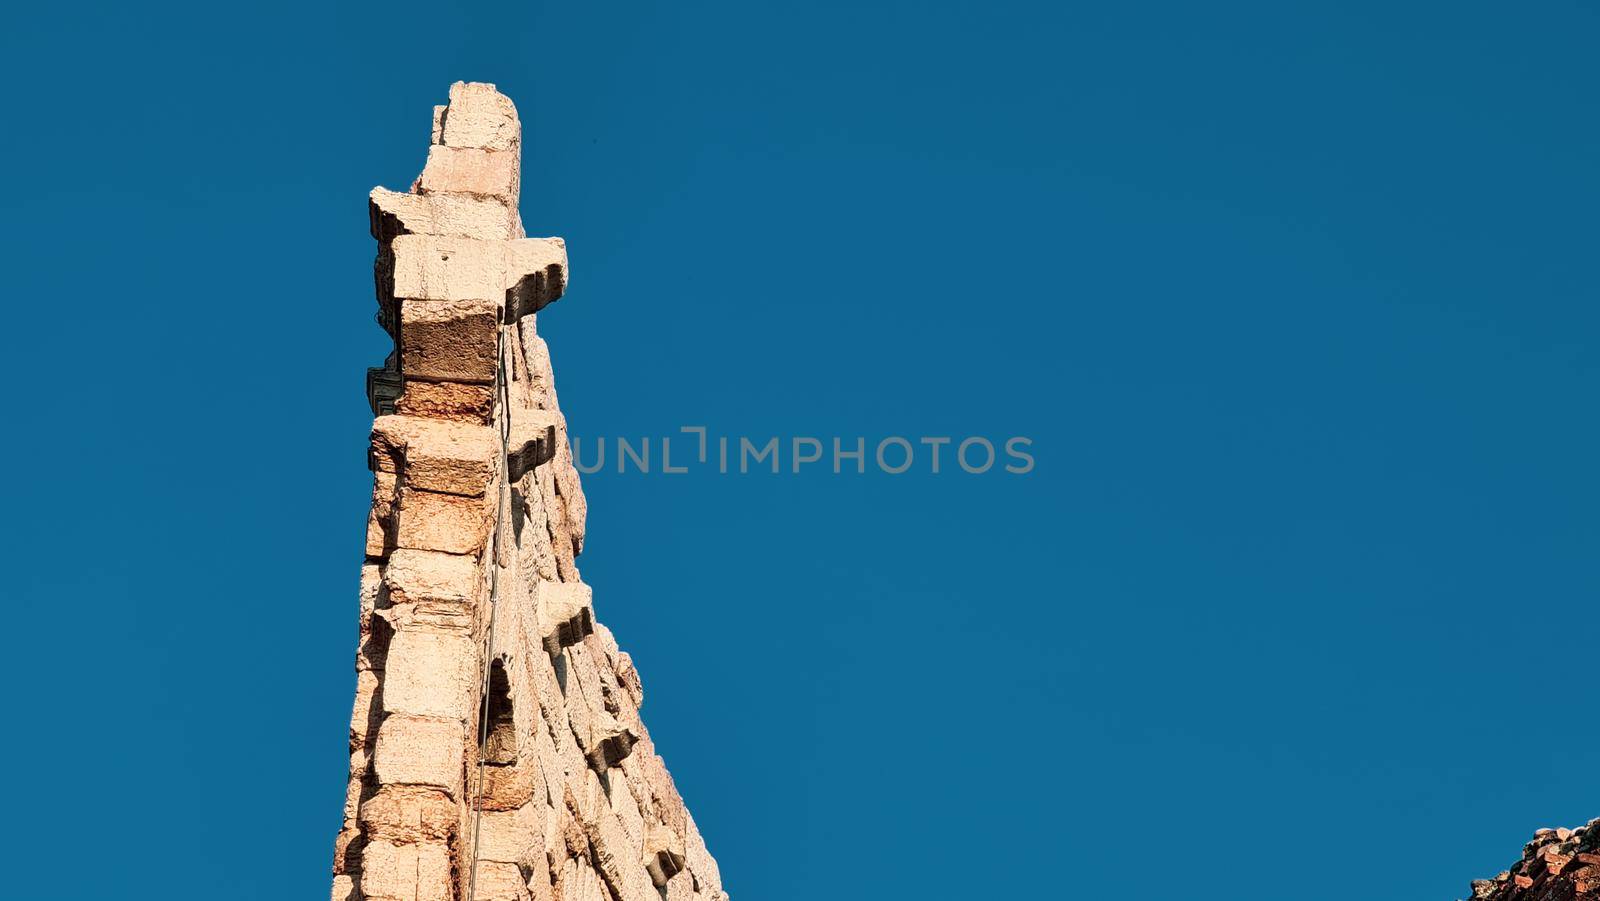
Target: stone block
(347, 848)
(510, 787)
(410, 872)
(380, 519)
(532, 442)
(447, 457)
(680, 888)
(471, 171)
(393, 213)
(431, 577)
(528, 273)
(479, 116)
(365, 714)
(564, 612)
(432, 675)
(513, 835)
(428, 521)
(404, 814)
(616, 860)
(536, 275)
(625, 805)
(427, 267)
(449, 341)
(344, 889)
(420, 751)
(500, 882)
(663, 854)
(456, 401)
(699, 860)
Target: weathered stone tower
(496, 750)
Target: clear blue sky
(1297, 302)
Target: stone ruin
(1558, 865)
(496, 750)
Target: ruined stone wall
(496, 749)
(1558, 865)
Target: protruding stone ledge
(663, 853)
(610, 741)
(564, 612)
(431, 267)
(532, 443)
(449, 215)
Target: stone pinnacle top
(496, 747)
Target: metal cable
(504, 472)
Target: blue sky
(1295, 301)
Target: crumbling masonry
(496, 750)
(1558, 865)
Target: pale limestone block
(669, 806)
(347, 849)
(617, 701)
(344, 889)
(625, 806)
(410, 813)
(631, 772)
(513, 835)
(541, 882)
(535, 554)
(616, 860)
(420, 751)
(394, 213)
(431, 674)
(577, 882)
(681, 888)
(380, 520)
(447, 457)
(365, 714)
(536, 275)
(628, 677)
(663, 854)
(450, 340)
(457, 401)
(498, 881)
(373, 642)
(610, 741)
(412, 872)
(699, 860)
(359, 761)
(532, 442)
(473, 171)
(549, 759)
(438, 124)
(480, 116)
(526, 274)
(565, 613)
(428, 267)
(428, 521)
(541, 377)
(432, 577)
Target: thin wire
(494, 596)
